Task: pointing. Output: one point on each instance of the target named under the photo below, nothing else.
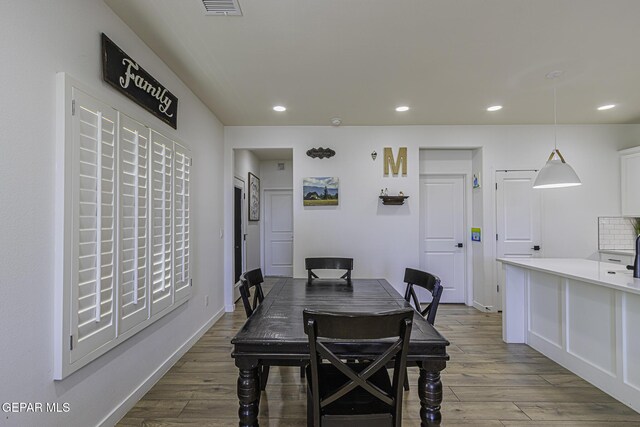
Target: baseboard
(483, 308)
(129, 402)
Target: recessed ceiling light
(606, 107)
(495, 108)
(402, 108)
(279, 108)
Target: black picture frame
(254, 198)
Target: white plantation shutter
(93, 281)
(182, 188)
(123, 223)
(161, 222)
(134, 223)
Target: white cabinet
(616, 257)
(630, 181)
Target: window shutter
(134, 198)
(182, 185)
(161, 222)
(94, 163)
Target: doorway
(518, 210)
(238, 232)
(442, 243)
(278, 233)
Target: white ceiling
(358, 59)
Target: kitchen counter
(583, 314)
(611, 275)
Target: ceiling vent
(222, 7)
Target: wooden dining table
(274, 336)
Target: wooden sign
(391, 163)
(124, 74)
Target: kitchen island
(583, 314)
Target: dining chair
(343, 394)
(248, 280)
(254, 279)
(426, 281)
(328, 263)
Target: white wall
(274, 179)
(383, 239)
(37, 40)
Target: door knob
(459, 245)
(536, 247)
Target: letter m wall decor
(129, 78)
(393, 164)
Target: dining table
(274, 336)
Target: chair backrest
(249, 280)
(359, 326)
(328, 263)
(427, 281)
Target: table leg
(248, 394)
(430, 392)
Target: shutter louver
(134, 156)
(92, 315)
(182, 271)
(161, 223)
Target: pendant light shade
(556, 173)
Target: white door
(518, 208)
(442, 243)
(278, 223)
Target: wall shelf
(393, 200)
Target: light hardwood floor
(486, 383)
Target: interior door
(442, 243)
(518, 209)
(237, 233)
(278, 223)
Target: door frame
(467, 209)
(263, 232)
(239, 183)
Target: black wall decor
(320, 153)
(129, 78)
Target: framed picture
(320, 191)
(254, 197)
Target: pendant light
(556, 172)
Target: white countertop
(584, 270)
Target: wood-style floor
(486, 383)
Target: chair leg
(302, 372)
(264, 375)
(406, 380)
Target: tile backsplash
(616, 233)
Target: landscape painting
(320, 191)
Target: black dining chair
(426, 281)
(251, 279)
(254, 279)
(328, 263)
(347, 394)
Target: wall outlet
(206, 300)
